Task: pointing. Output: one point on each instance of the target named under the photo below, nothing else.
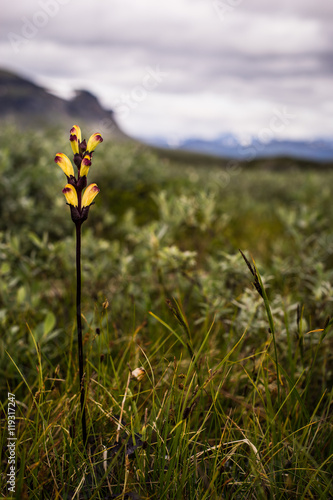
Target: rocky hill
(27, 104)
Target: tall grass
(237, 394)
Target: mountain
(228, 146)
(27, 104)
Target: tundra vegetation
(208, 373)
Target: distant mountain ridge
(28, 104)
(228, 146)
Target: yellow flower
(93, 141)
(65, 164)
(75, 138)
(85, 164)
(89, 195)
(71, 195)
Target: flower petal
(138, 373)
(77, 131)
(85, 164)
(74, 144)
(75, 138)
(65, 164)
(89, 195)
(93, 141)
(70, 195)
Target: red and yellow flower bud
(89, 195)
(85, 164)
(65, 164)
(75, 138)
(93, 142)
(71, 195)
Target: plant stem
(272, 330)
(79, 331)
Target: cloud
(227, 61)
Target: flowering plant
(79, 197)
(78, 200)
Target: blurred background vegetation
(163, 225)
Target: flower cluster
(78, 196)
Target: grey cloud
(265, 51)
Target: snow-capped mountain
(228, 146)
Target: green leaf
(49, 322)
(5, 268)
(168, 327)
(34, 238)
(21, 295)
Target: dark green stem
(79, 331)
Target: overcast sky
(180, 68)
